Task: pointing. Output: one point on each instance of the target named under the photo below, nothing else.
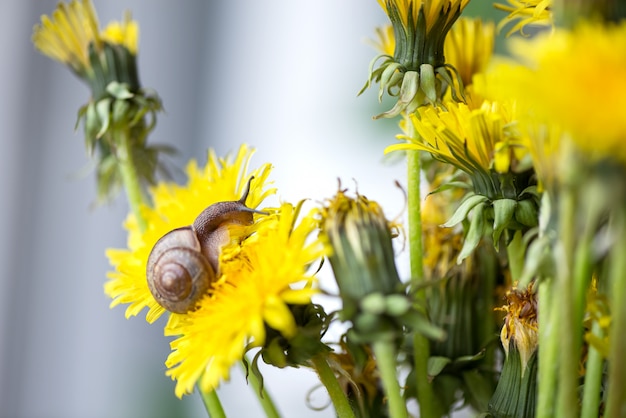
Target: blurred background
(280, 75)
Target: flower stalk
(569, 354)
(129, 174)
(266, 401)
(421, 345)
(336, 393)
(616, 398)
(386, 355)
(212, 404)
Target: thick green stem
(385, 353)
(421, 345)
(593, 379)
(264, 397)
(616, 397)
(515, 254)
(212, 404)
(569, 354)
(130, 177)
(548, 350)
(336, 393)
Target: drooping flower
(73, 37)
(417, 72)
(66, 37)
(120, 113)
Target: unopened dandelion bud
(362, 259)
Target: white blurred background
(280, 75)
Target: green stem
(421, 345)
(336, 393)
(212, 404)
(593, 379)
(569, 355)
(515, 254)
(548, 350)
(385, 353)
(264, 397)
(130, 177)
(616, 396)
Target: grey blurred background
(280, 75)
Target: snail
(185, 261)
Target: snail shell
(184, 262)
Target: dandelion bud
(362, 258)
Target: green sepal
(119, 90)
(92, 125)
(408, 92)
(436, 364)
(474, 233)
(503, 209)
(255, 371)
(427, 82)
(526, 213)
(103, 114)
(120, 111)
(469, 203)
(386, 77)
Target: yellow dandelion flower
(475, 141)
(124, 33)
(173, 207)
(441, 245)
(259, 279)
(385, 43)
(469, 48)
(524, 13)
(587, 96)
(66, 36)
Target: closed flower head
(417, 72)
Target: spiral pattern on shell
(178, 273)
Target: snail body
(185, 261)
